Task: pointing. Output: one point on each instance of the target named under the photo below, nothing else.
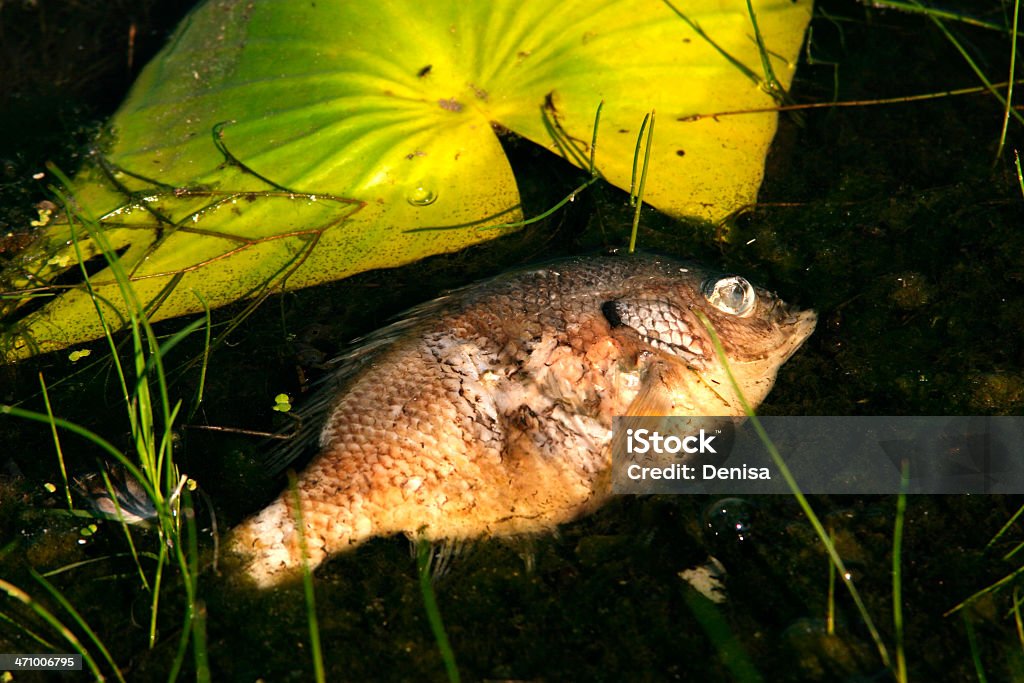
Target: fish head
(669, 313)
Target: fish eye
(731, 294)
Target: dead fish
(489, 411)
(125, 500)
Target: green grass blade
(897, 574)
(636, 160)
(154, 605)
(972, 642)
(1009, 86)
(4, 618)
(433, 612)
(307, 583)
(197, 400)
(593, 139)
(94, 560)
(55, 623)
(194, 626)
(1002, 531)
(771, 82)
(970, 60)
(830, 611)
(100, 315)
(82, 624)
(199, 643)
(90, 436)
(1020, 175)
(1009, 578)
(732, 60)
(917, 8)
(124, 528)
(56, 443)
(1018, 620)
(643, 179)
(794, 488)
(730, 652)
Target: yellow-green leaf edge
(355, 125)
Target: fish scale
(489, 412)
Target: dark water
(896, 222)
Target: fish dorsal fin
(293, 444)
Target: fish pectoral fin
(654, 397)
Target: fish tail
(268, 545)
(271, 549)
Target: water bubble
(421, 195)
(729, 519)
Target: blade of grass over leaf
(594, 177)
(527, 221)
(770, 83)
(593, 139)
(639, 200)
(736, 62)
(636, 159)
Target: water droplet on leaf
(421, 195)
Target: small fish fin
(653, 398)
(443, 554)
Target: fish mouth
(797, 326)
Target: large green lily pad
(282, 144)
